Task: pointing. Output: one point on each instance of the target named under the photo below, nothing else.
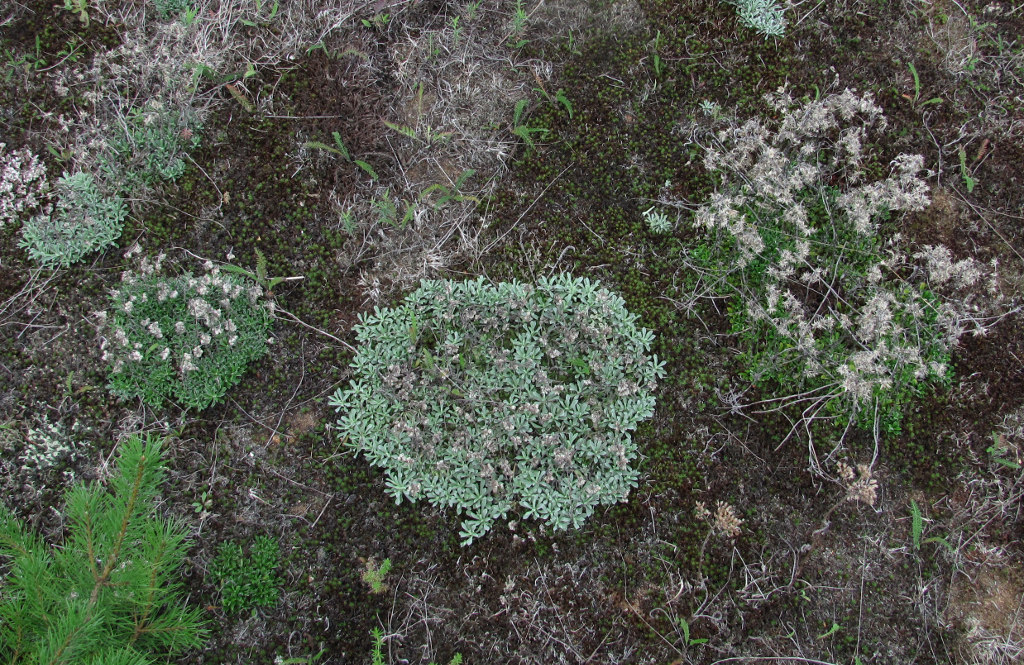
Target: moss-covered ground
(810, 578)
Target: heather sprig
(183, 338)
(487, 397)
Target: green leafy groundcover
(183, 338)
(484, 396)
(247, 582)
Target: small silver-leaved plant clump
(657, 221)
(84, 220)
(182, 338)
(836, 320)
(24, 189)
(764, 16)
(46, 445)
(483, 397)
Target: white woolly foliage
(84, 220)
(764, 16)
(484, 397)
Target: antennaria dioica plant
(487, 397)
(764, 16)
(84, 220)
(835, 319)
(184, 337)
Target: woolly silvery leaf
(484, 397)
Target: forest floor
(526, 139)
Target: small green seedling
(260, 276)
(916, 99)
(338, 148)
(969, 182)
(687, 640)
(518, 26)
(521, 130)
(656, 62)
(374, 575)
(831, 631)
(998, 450)
(203, 504)
(259, 10)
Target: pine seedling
(109, 593)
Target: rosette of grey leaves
(85, 221)
(765, 16)
(486, 397)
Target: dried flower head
(860, 486)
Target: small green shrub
(110, 593)
(183, 338)
(247, 582)
(483, 397)
(85, 220)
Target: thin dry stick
(315, 329)
(528, 208)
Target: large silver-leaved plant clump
(483, 397)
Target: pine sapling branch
(129, 511)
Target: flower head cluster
(826, 313)
(724, 521)
(860, 486)
(186, 338)
(483, 397)
(24, 189)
